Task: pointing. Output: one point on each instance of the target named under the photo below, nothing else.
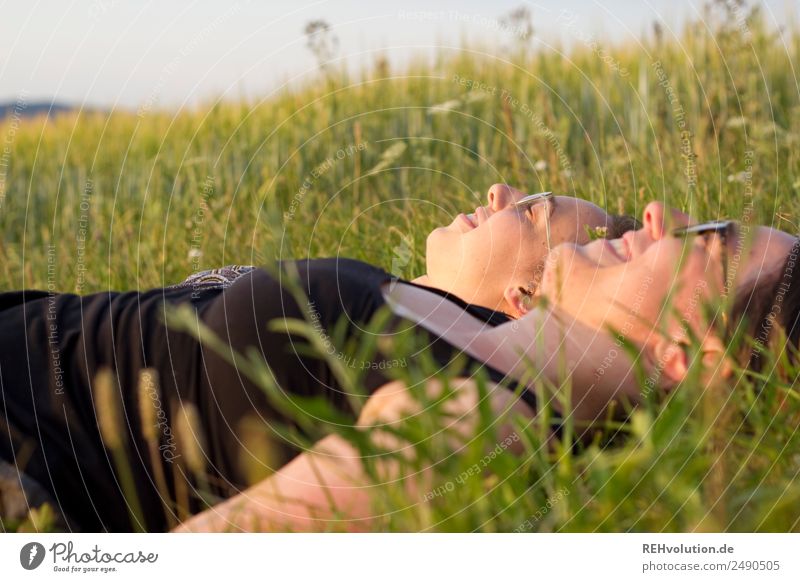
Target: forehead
(768, 248)
(575, 214)
(577, 208)
(773, 239)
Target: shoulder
(338, 275)
(340, 266)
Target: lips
(620, 249)
(606, 252)
(468, 221)
(628, 238)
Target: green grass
(168, 193)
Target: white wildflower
(445, 107)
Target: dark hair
(773, 300)
(620, 224)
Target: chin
(437, 241)
(430, 245)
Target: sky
(176, 53)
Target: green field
(365, 166)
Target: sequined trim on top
(222, 277)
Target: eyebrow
(552, 206)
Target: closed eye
(530, 207)
(531, 212)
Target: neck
(524, 343)
(548, 344)
(500, 305)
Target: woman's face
(479, 255)
(624, 283)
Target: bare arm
(304, 495)
(326, 487)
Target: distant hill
(31, 109)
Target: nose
(657, 219)
(501, 196)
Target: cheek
(441, 247)
(627, 298)
(503, 235)
(508, 247)
(655, 295)
(480, 254)
(631, 301)
(642, 294)
(565, 232)
(697, 291)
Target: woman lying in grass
(484, 256)
(53, 346)
(623, 284)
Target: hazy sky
(173, 52)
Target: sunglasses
(720, 228)
(532, 200)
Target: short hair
(620, 224)
(772, 301)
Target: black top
(51, 346)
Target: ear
(518, 301)
(670, 358)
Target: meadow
(364, 166)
